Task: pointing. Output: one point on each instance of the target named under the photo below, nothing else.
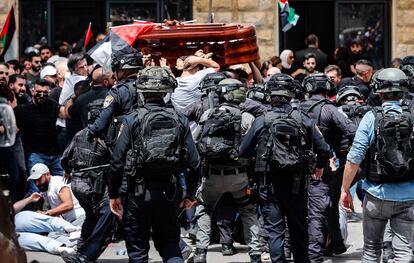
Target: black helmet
(281, 84)
(211, 80)
(348, 93)
(155, 79)
(391, 80)
(127, 61)
(407, 66)
(258, 93)
(317, 82)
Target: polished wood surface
(230, 43)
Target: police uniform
(281, 199)
(90, 188)
(324, 193)
(119, 102)
(232, 179)
(151, 202)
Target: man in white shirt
(187, 91)
(58, 195)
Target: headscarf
(284, 57)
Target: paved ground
(353, 255)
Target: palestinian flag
(123, 37)
(101, 52)
(88, 35)
(8, 37)
(287, 15)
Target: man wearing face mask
(37, 123)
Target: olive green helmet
(232, 90)
(155, 79)
(391, 80)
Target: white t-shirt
(187, 90)
(52, 196)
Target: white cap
(49, 70)
(37, 171)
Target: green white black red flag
(287, 15)
(8, 38)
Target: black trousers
(282, 203)
(334, 230)
(100, 223)
(156, 210)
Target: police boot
(387, 252)
(335, 248)
(76, 258)
(256, 258)
(228, 250)
(200, 255)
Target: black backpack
(159, 141)
(285, 145)
(356, 112)
(220, 134)
(393, 151)
(94, 109)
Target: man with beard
(309, 64)
(58, 195)
(45, 53)
(37, 123)
(5, 92)
(17, 83)
(49, 73)
(34, 72)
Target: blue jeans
(51, 161)
(377, 213)
(30, 225)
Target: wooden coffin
(230, 43)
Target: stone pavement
(353, 255)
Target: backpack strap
(319, 104)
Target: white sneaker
(74, 236)
(67, 250)
(71, 228)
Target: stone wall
(262, 13)
(403, 28)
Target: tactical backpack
(392, 155)
(285, 145)
(94, 109)
(356, 112)
(159, 141)
(220, 135)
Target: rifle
(87, 169)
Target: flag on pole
(8, 37)
(120, 41)
(287, 15)
(88, 35)
(101, 52)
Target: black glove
(90, 136)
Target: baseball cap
(37, 171)
(49, 70)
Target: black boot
(387, 252)
(256, 258)
(228, 250)
(335, 248)
(200, 255)
(77, 258)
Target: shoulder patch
(108, 100)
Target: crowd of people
(279, 148)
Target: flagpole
(210, 11)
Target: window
(33, 22)
(365, 22)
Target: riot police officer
(121, 99)
(218, 137)
(154, 143)
(274, 136)
(90, 187)
(324, 193)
